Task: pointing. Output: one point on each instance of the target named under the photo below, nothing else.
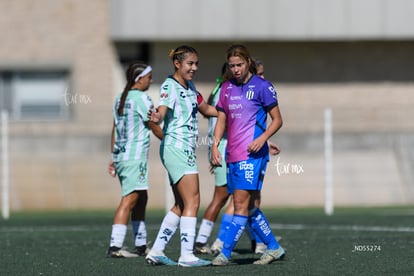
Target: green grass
(354, 241)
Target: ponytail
(134, 69)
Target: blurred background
(62, 64)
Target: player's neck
(180, 80)
(245, 79)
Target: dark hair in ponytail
(134, 69)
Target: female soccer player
(129, 145)
(178, 107)
(244, 103)
(221, 195)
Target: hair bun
(171, 54)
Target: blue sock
(252, 234)
(262, 228)
(225, 222)
(233, 234)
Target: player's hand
(256, 145)
(154, 115)
(215, 157)
(273, 148)
(111, 169)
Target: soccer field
(357, 241)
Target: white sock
(140, 232)
(205, 231)
(188, 232)
(118, 235)
(168, 227)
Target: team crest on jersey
(250, 94)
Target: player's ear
(177, 64)
(249, 62)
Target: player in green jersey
(130, 145)
(178, 108)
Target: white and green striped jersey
(132, 135)
(181, 122)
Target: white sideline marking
(297, 227)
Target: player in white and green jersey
(180, 122)
(180, 128)
(130, 144)
(131, 133)
(178, 107)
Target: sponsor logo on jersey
(235, 115)
(235, 106)
(273, 91)
(248, 169)
(234, 98)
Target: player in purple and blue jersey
(245, 100)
